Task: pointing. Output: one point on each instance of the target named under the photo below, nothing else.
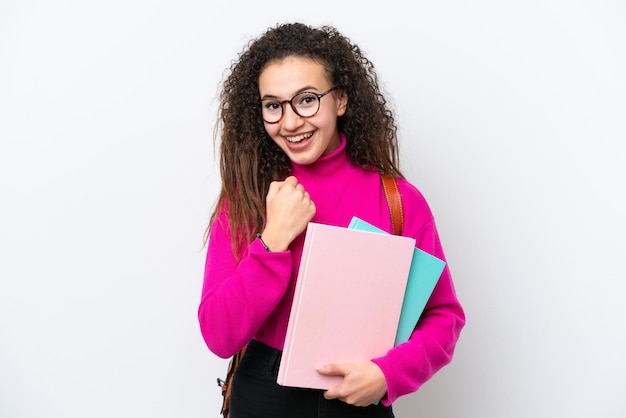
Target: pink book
(347, 301)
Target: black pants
(255, 393)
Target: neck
(326, 164)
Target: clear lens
(272, 111)
(305, 104)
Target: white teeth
(296, 139)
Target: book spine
(297, 302)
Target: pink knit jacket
(252, 298)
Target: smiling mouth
(299, 138)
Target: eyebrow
(302, 90)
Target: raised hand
(289, 209)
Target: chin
(303, 159)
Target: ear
(342, 103)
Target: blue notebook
(423, 276)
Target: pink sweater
(252, 298)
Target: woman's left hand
(363, 383)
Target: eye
(271, 106)
(307, 99)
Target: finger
(291, 181)
(334, 392)
(331, 393)
(333, 370)
(273, 189)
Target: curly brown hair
(249, 158)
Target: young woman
(305, 134)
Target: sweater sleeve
(431, 346)
(237, 297)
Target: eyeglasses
(305, 105)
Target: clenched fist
(289, 210)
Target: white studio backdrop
(512, 122)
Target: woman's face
(304, 140)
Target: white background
(512, 122)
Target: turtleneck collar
(326, 164)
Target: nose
(291, 120)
